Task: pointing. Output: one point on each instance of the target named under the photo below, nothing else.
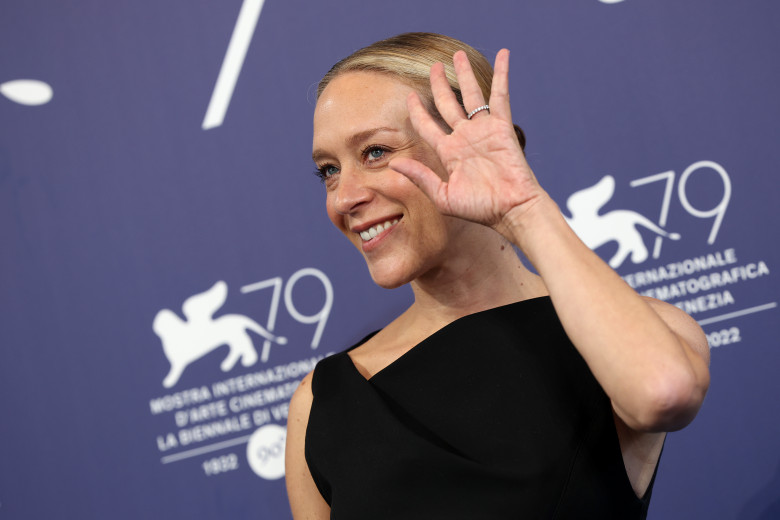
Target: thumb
(423, 177)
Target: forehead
(361, 97)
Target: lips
(370, 230)
(377, 229)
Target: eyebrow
(357, 138)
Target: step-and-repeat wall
(168, 273)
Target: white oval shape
(265, 451)
(29, 92)
(610, 1)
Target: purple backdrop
(149, 151)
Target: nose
(351, 192)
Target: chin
(389, 278)
(388, 282)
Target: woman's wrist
(530, 224)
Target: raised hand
(487, 174)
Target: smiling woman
(499, 392)
(361, 123)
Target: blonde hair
(408, 57)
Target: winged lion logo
(618, 225)
(186, 341)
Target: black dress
(494, 416)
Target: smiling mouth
(375, 231)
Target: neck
(487, 276)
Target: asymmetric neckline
(428, 340)
(495, 415)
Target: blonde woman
(500, 393)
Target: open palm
(487, 172)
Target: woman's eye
(326, 171)
(374, 153)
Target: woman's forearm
(652, 365)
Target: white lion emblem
(186, 341)
(618, 225)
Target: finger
(423, 177)
(422, 121)
(499, 90)
(444, 98)
(469, 88)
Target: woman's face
(361, 122)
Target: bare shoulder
(303, 396)
(305, 498)
(683, 325)
(297, 421)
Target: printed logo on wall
(700, 285)
(30, 92)
(218, 415)
(246, 23)
(619, 225)
(184, 342)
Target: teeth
(372, 232)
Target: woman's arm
(650, 358)
(305, 499)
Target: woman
(499, 393)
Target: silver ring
(478, 109)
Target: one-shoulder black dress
(495, 416)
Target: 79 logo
(184, 341)
(716, 212)
(283, 291)
(621, 226)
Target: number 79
(716, 212)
